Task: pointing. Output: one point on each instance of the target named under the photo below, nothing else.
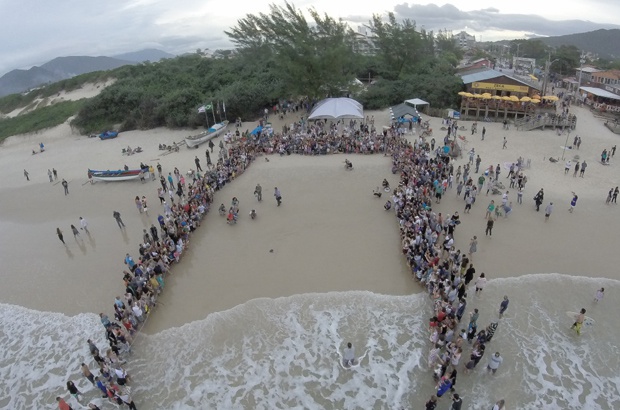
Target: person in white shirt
(494, 362)
(349, 355)
(84, 225)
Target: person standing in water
(349, 355)
(579, 321)
(503, 306)
(599, 295)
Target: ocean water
(285, 353)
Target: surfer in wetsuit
(579, 321)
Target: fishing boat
(120, 175)
(195, 140)
(108, 135)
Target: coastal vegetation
(279, 55)
(39, 119)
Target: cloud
(434, 17)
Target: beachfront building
(496, 96)
(606, 77)
(586, 72)
(601, 99)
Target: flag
(208, 107)
(202, 109)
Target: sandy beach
(330, 235)
(85, 276)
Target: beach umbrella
(535, 100)
(486, 95)
(533, 77)
(514, 98)
(497, 97)
(550, 98)
(463, 93)
(478, 96)
(468, 95)
(506, 98)
(526, 99)
(536, 97)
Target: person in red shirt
(62, 404)
(441, 315)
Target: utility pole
(582, 61)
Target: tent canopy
(415, 102)
(401, 110)
(337, 108)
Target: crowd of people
(427, 243)
(429, 247)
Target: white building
(364, 40)
(464, 40)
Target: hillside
(67, 67)
(150, 54)
(61, 68)
(606, 43)
(19, 80)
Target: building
(476, 64)
(523, 65)
(586, 73)
(607, 77)
(603, 100)
(364, 41)
(495, 95)
(465, 41)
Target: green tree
(399, 46)
(568, 60)
(314, 59)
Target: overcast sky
(35, 31)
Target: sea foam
(286, 353)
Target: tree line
(282, 55)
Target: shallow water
(285, 353)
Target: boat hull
(111, 178)
(120, 175)
(196, 140)
(108, 135)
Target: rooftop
(600, 93)
(472, 77)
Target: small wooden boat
(120, 175)
(195, 140)
(108, 135)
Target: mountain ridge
(61, 68)
(604, 42)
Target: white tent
(337, 108)
(415, 102)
